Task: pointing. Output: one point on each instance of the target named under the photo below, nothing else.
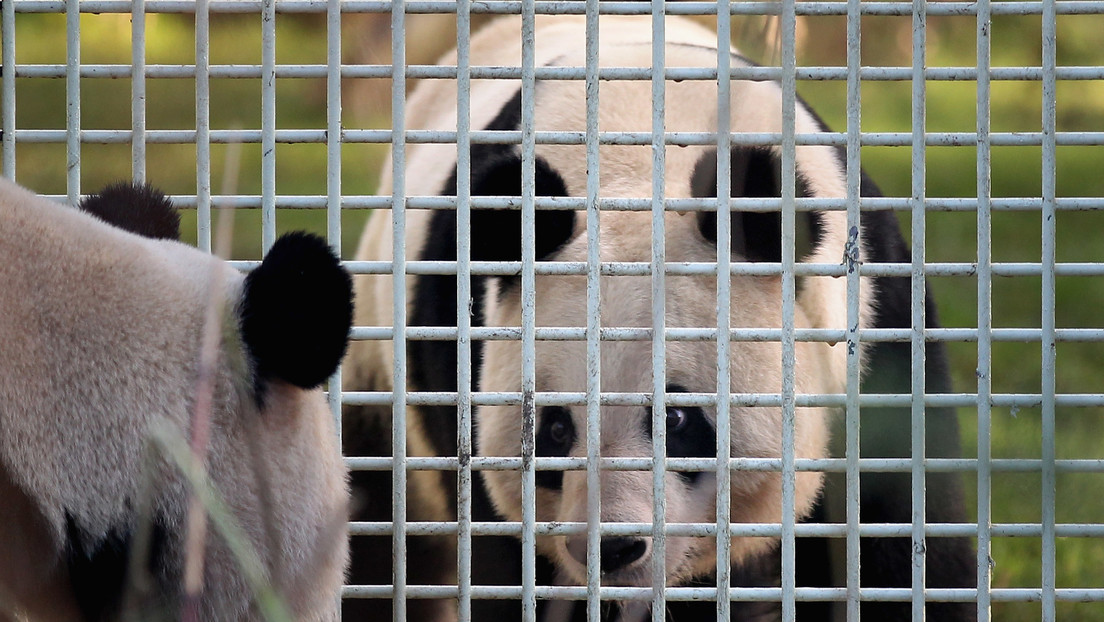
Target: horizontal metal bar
(678, 139)
(611, 268)
(957, 400)
(1018, 204)
(823, 335)
(349, 72)
(570, 7)
(763, 594)
(751, 530)
(769, 465)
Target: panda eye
(555, 436)
(559, 433)
(677, 420)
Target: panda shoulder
(136, 208)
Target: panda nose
(617, 553)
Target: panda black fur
(625, 171)
(102, 332)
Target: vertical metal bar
(985, 319)
(724, 288)
(659, 288)
(594, 322)
(72, 101)
(398, 307)
(1049, 192)
(7, 89)
(789, 180)
(919, 120)
(853, 257)
(463, 296)
(138, 90)
(334, 136)
(268, 124)
(203, 124)
(333, 164)
(528, 314)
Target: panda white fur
(102, 332)
(625, 171)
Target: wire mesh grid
(982, 122)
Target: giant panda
(105, 381)
(626, 496)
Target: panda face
(690, 366)
(626, 431)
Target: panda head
(626, 301)
(295, 308)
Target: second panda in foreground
(756, 302)
(119, 343)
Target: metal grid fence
(1056, 587)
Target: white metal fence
(994, 164)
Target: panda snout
(616, 553)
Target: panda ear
(296, 310)
(756, 236)
(496, 233)
(136, 208)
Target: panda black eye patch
(555, 437)
(689, 433)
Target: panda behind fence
(561, 235)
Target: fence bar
(984, 320)
(138, 91)
(659, 314)
(789, 295)
(528, 313)
(1049, 346)
(464, 359)
(72, 101)
(678, 139)
(398, 308)
(333, 177)
(7, 89)
(268, 124)
(203, 124)
(724, 304)
(756, 530)
(1014, 401)
(576, 7)
(594, 322)
(333, 167)
(760, 594)
(446, 72)
(762, 465)
(549, 333)
(682, 205)
(918, 320)
(853, 258)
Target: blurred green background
(1016, 172)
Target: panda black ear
(496, 233)
(296, 310)
(756, 236)
(496, 170)
(136, 208)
